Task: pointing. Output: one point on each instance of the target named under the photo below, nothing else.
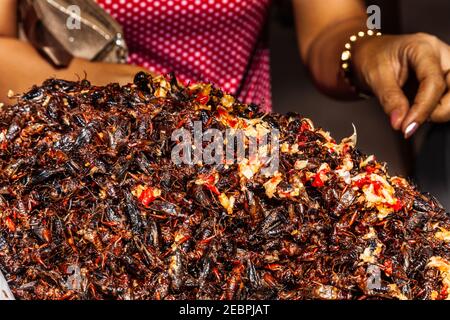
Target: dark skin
(25, 67)
(380, 63)
(323, 26)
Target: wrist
(323, 58)
(353, 62)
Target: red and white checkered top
(217, 41)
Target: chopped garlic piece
(399, 182)
(3, 135)
(227, 101)
(395, 292)
(284, 147)
(294, 193)
(345, 175)
(156, 192)
(345, 168)
(379, 196)
(160, 93)
(324, 167)
(444, 268)
(227, 202)
(327, 292)
(325, 134)
(370, 255)
(271, 184)
(211, 179)
(347, 163)
(371, 234)
(366, 161)
(249, 169)
(443, 235)
(383, 211)
(300, 164)
(138, 190)
(250, 131)
(179, 237)
(289, 148)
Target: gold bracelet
(346, 60)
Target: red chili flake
(210, 179)
(370, 169)
(110, 223)
(216, 273)
(183, 239)
(444, 292)
(222, 112)
(212, 188)
(232, 122)
(362, 182)
(346, 149)
(388, 267)
(181, 122)
(274, 266)
(318, 182)
(4, 145)
(367, 181)
(147, 196)
(376, 187)
(207, 240)
(98, 260)
(397, 206)
(303, 177)
(47, 235)
(202, 98)
(301, 138)
(10, 224)
(305, 126)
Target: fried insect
(93, 207)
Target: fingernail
(410, 129)
(395, 119)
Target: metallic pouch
(63, 29)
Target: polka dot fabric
(218, 41)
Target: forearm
(21, 67)
(323, 27)
(323, 57)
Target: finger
(386, 88)
(442, 112)
(431, 87)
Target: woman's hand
(383, 64)
(25, 68)
(100, 73)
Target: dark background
(293, 91)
